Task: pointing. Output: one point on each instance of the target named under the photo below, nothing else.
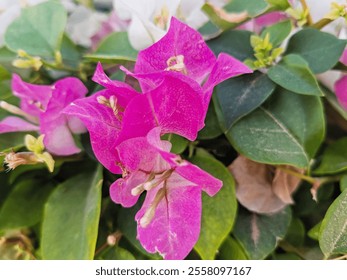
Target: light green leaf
(334, 158)
(218, 212)
(179, 143)
(321, 50)
(252, 7)
(39, 30)
(278, 32)
(231, 250)
(239, 96)
(343, 183)
(24, 205)
(115, 48)
(282, 131)
(71, 218)
(293, 74)
(259, 234)
(279, 4)
(333, 231)
(314, 232)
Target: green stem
(305, 7)
(321, 23)
(299, 175)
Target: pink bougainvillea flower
(41, 106)
(169, 220)
(183, 52)
(102, 114)
(173, 105)
(341, 91)
(257, 24)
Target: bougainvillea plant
(175, 129)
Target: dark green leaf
(331, 98)
(231, 250)
(234, 42)
(38, 30)
(283, 131)
(296, 233)
(218, 212)
(293, 74)
(259, 234)
(116, 253)
(212, 128)
(69, 51)
(333, 231)
(239, 96)
(334, 159)
(13, 139)
(115, 48)
(179, 144)
(278, 32)
(24, 205)
(71, 218)
(321, 50)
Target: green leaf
(321, 50)
(212, 128)
(333, 231)
(234, 42)
(334, 159)
(5, 187)
(39, 30)
(293, 74)
(239, 96)
(259, 234)
(71, 218)
(24, 205)
(4, 74)
(314, 232)
(69, 51)
(115, 48)
(252, 7)
(218, 212)
(231, 250)
(116, 253)
(343, 183)
(279, 4)
(296, 233)
(179, 144)
(10, 140)
(278, 32)
(282, 131)
(331, 98)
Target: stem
(321, 23)
(296, 174)
(111, 240)
(59, 67)
(305, 7)
(341, 257)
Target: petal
(32, 96)
(76, 125)
(341, 91)
(136, 153)
(58, 138)
(174, 106)
(102, 125)
(179, 40)
(121, 90)
(343, 58)
(14, 124)
(120, 190)
(175, 227)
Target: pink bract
(43, 105)
(341, 91)
(169, 219)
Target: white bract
(150, 19)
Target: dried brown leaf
(263, 188)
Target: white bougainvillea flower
(83, 23)
(150, 19)
(9, 10)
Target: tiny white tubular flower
(9, 11)
(150, 19)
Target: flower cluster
(177, 76)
